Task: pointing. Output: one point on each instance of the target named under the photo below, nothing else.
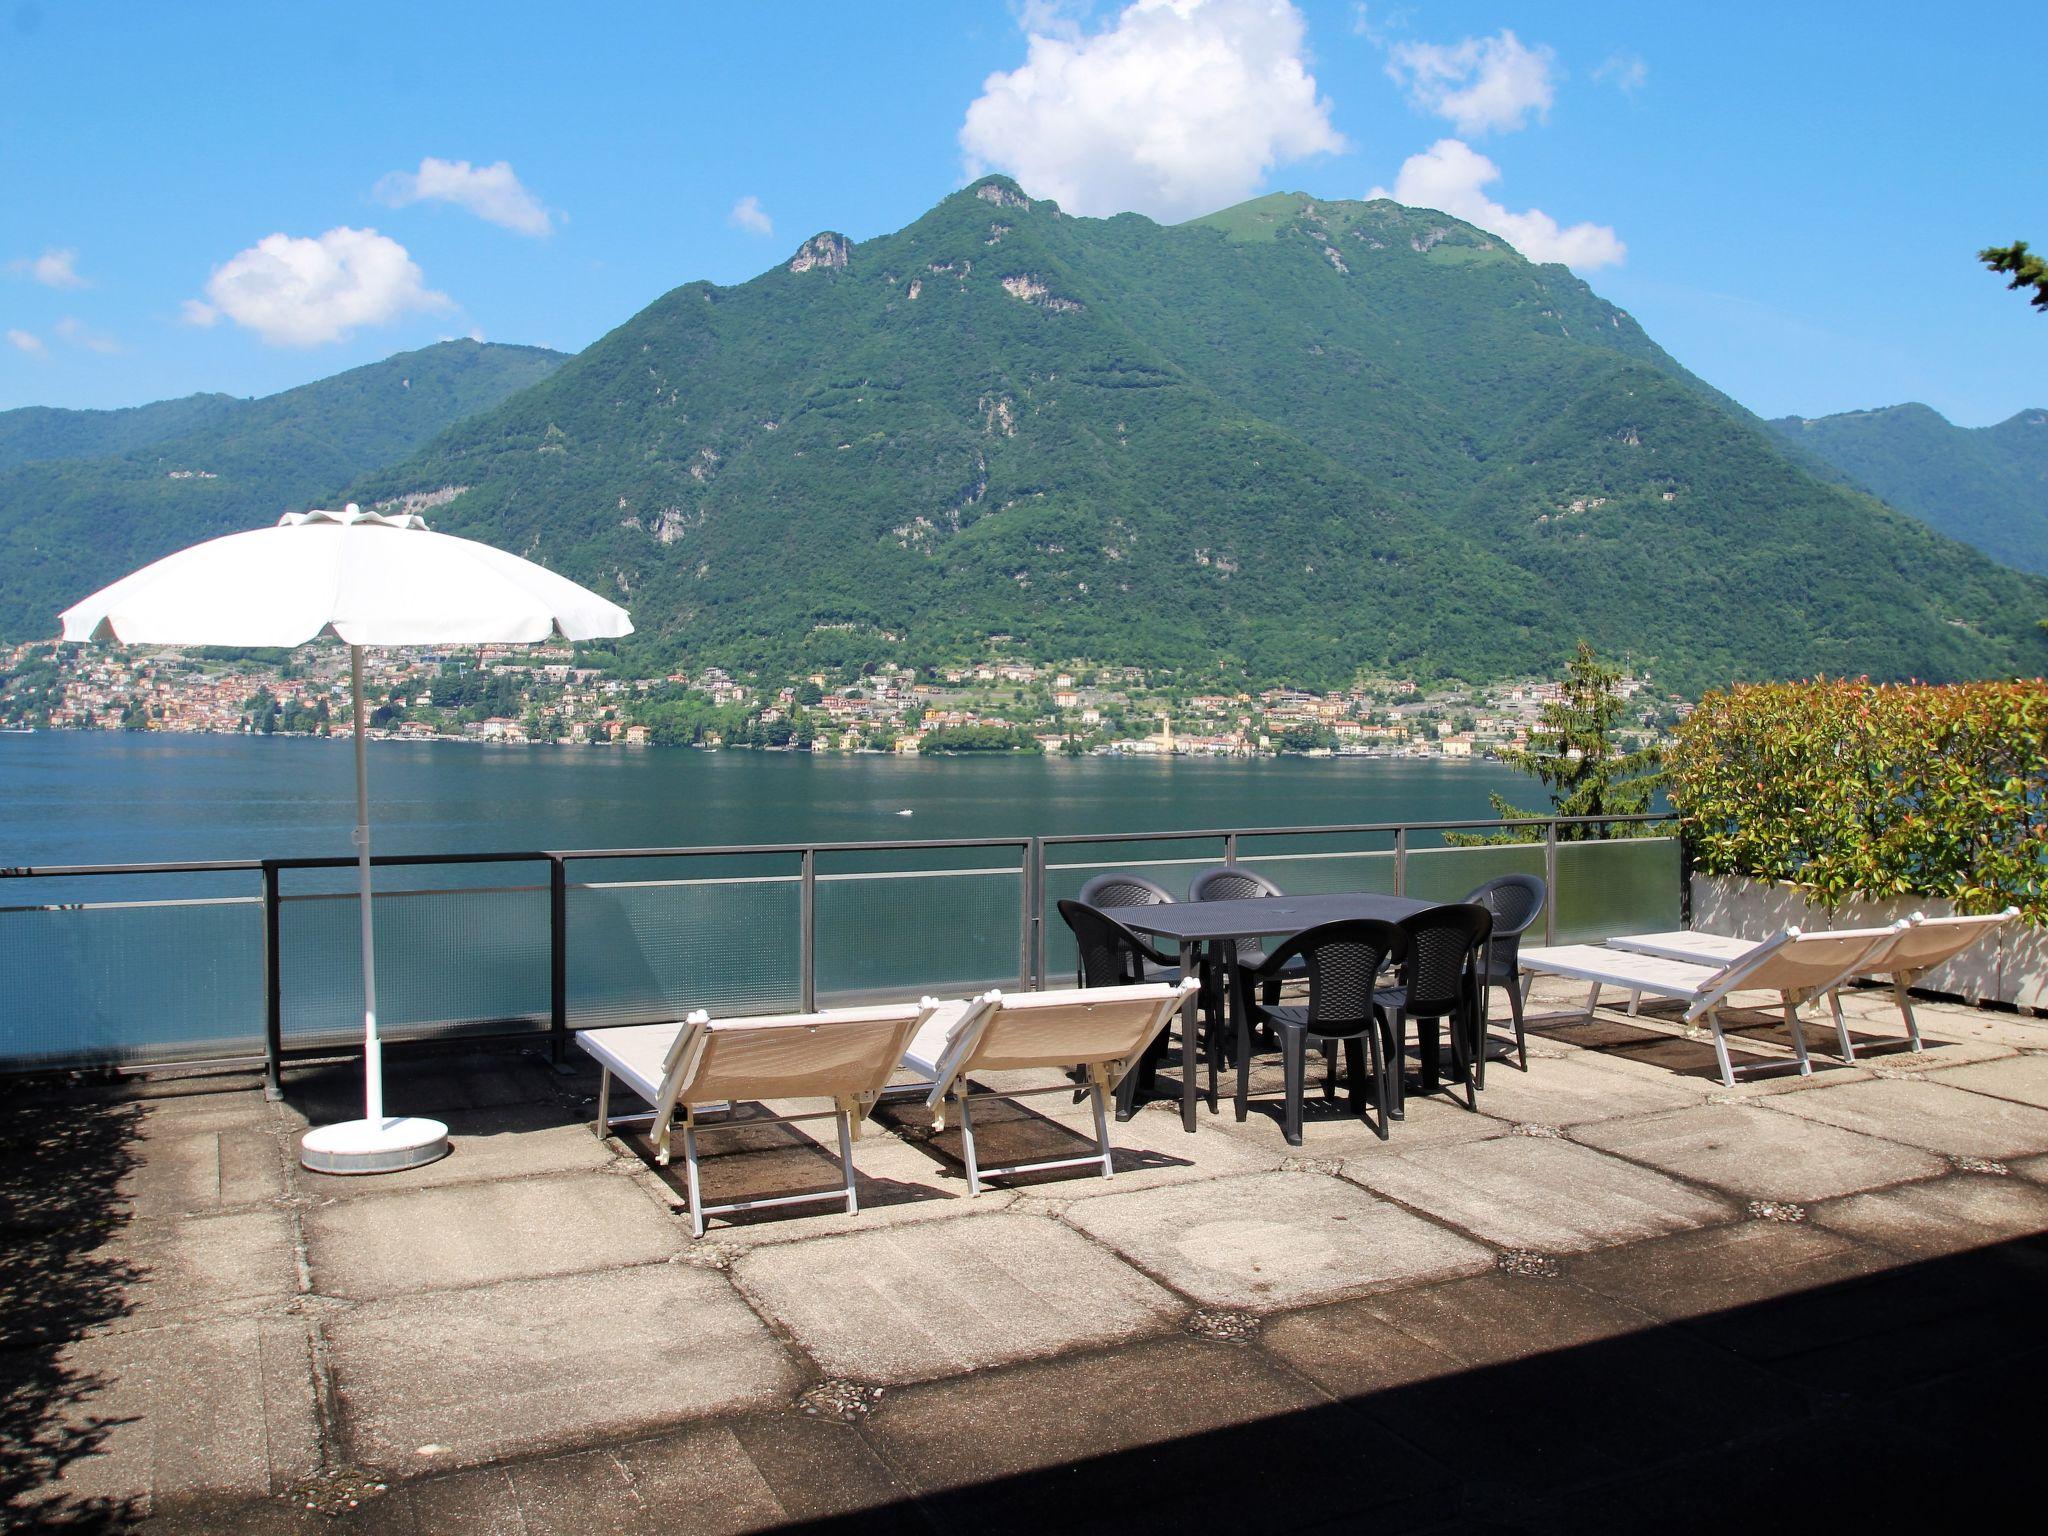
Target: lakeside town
(519, 695)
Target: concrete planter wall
(2013, 970)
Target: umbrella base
(373, 1146)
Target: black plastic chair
(1342, 961)
(1442, 982)
(1233, 882)
(1515, 901)
(1111, 955)
(1116, 888)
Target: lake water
(116, 798)
(173, 965)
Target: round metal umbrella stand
(368, 579)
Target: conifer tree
(2026, 269)
(1573, 753)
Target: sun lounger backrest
(1933, 941)
(844, 1053)
(1801, 964)
(1072, 1027)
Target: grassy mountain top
(1293, 439)
(1987, 486)
(97, 493)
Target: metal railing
(270, 976)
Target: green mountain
(38, 432)
(1297, 437)
(86, 496)
(1987, 486)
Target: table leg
(1190, 1028)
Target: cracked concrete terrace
(1619, 1294)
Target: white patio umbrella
(369, 580)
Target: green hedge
(1847, 788)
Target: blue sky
(1788, 197)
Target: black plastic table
(1191, 924)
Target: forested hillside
(85, 496)
(1987, 486)
(1296, 438)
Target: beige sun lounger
(1797, 966)
(847, 1056)
(1922, 945)
(1101, 1031)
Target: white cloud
(1452, 176)
(53, 269)
(1374, 28)
(491, 192)
(75, 331)
(1479, 84)
(23, 341)
(300, 292)
(1174, 108)
(1626, 72)
(748, 214)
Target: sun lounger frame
(1704, 988)
(965, 1049)
(1883, 962)
(669, 1097)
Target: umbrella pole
(373, 1055)
(372, 1144)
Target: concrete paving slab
(1754, 1153)
(213, 1407)
(179, 1170)
(1498, 1317)
(1927, 1114)
(588, 1493)
(204, 1267)
(896, 1183)
(1534, 1193)
(1579, 1089)
(2022, 1079)
(1271, 1240)
(1951, 1215)
(478, 1502)
(1332, 1130)
(909, 1303)
(550, 1363)
(757, 1474)
(1696, 1274)
(518, 1141)
(1205, 1415)
(480, 1234)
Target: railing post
(273, 990)
(558, 961)
(1400, 861)
(1038, 914)
(807, 935)
(1684, 879)
(1230, 848)
(1550, 882)
(1027, 907)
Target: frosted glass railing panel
(1450, 874)
(445, 960)
(649, 950)
(1323, 873)
(131, 981)
(899, 936)
(1626, 885)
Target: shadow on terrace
(64, 1164)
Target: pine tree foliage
(1572, 751)
(2025, 269)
